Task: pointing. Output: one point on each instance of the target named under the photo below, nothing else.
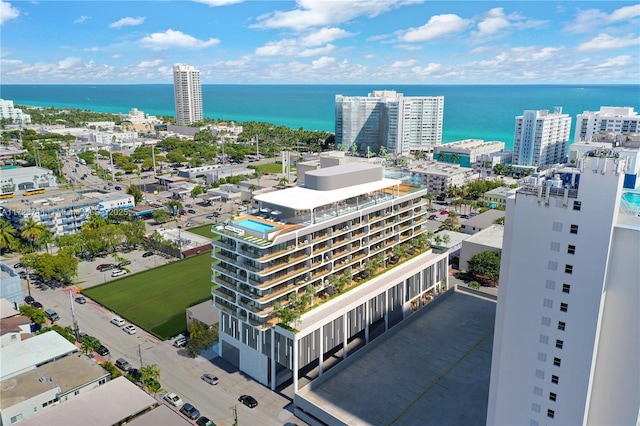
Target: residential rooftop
(72, 372)
(23, 387)
(491, 236)
(6, 308)
(161, 415)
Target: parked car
(105, 267)
(18, 265)
(210, 217)
(52, 315)
(130, 329)
(147, 254)
(189, 224)
(190, 411)
(433, 217)
(118, 273)
(81, 300)
(204, 421)
(29, 300)
(37, 305)
(135, 374)
(191, 211)
(173, 399)
(123, 364)
(117, 321)
(117, 188)
(181, 342)
(210, 378)
(248, 400)
(444, 212)
(102, 350)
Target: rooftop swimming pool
(632, 198)
(254, 225)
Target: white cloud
(81, 19)
(150, 64)
(430, 69)
(618, 61)
(494, 21)
(323, 35)
(606, 42)
(127, 22)
(438, 26)
(7, 12)
(324, 62)
(408, 46)
(171, 38)
(215, 3)
(91, 49)
(314, 13)
(304, 46)
(590, 19)
(70, 62)
(404, 64)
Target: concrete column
(367, 315)
(294, 354)
(344, 336)
(321, 349)
(273, 358)
(386, 310)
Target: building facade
(13, 115)
(565, 350)
(466, 152)
(389, 119)
(188, 94)
(438, 177)
(541, 138)
(617, 120)
(26, 181)
(299, 242)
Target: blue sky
(321, 41)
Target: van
(52, 315)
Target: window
(544, 339)
(557, 361)
(537, 390)
(566, 288)
(555, 246)
(571, 249)
(574, 229)
(559, 343)
(568, 269)
(561, 325)
(564, 307)
(557, 226)
(546, 321)
(548, 303)
(535, 407)
(552, 266)
(551, 413)
(16, 418)
(550, 284)
(539, 374)
(555, 379)
(577, 205)
(534, 423)
(542, 356)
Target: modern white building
(188, 94)
(338, 236)
(617, 120)
(567, 335)
(466, 152)
(389, 119)
(438, 177)
(541, 138)
(13, 115)
(26, 180)
(135, 116)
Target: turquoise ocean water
(478, 111)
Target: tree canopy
(485, 265)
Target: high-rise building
(591, 125)
(391, 120)
(328, 245)
(541, 138)
(188, 94)
(567, 336)
(13, 115)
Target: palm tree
(7, 235)
(441, 156)
(383, 151)
(31, 230)
(455, 157)
(430, 196)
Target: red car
(444, 212)
(105, 267)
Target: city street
(179, 373)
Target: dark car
(135, 374)
(81, 300)
(204, 421)
(103, 351)
(37, 305)
(18, 265)
(29, 300)
(190, 411)
(147, 254)
(248, 400)
(191, 211)
(117, 188)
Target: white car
(130, 329)
(117, 321)
(118, 273)
(173, 399)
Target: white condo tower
(188, 94)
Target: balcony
(321, 249)
(225, 245)
(269, 281)
(287, 261)
(276, 253)
(225, 308)
(218, 292)
(321, 236)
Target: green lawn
(156, 299)
(203, 231)
(269, 168)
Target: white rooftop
(26, 354)
(108, 404)
(300, 198)
(491, 236)
(6, 309)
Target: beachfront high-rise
(389, 119)
(188, 94)
(591, 125)
(567, 336)
(541, 138)
(336, 236)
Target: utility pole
(76, 330)
(235, 416)
(140, 355)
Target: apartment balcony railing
(288, 261)
(269, 281)
(321, 237)
(340, 231)
(221, 244)
(322, 249)
(277, 292)
(219, 255)
(280, 252)
(341, 251)
(224, 308)
(222, 294)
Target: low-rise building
(26, 180)
(466, 152)
(10, 285)
(489, 239)
(486, 162)
(480, 222)
(438, 177)
(497, 197)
